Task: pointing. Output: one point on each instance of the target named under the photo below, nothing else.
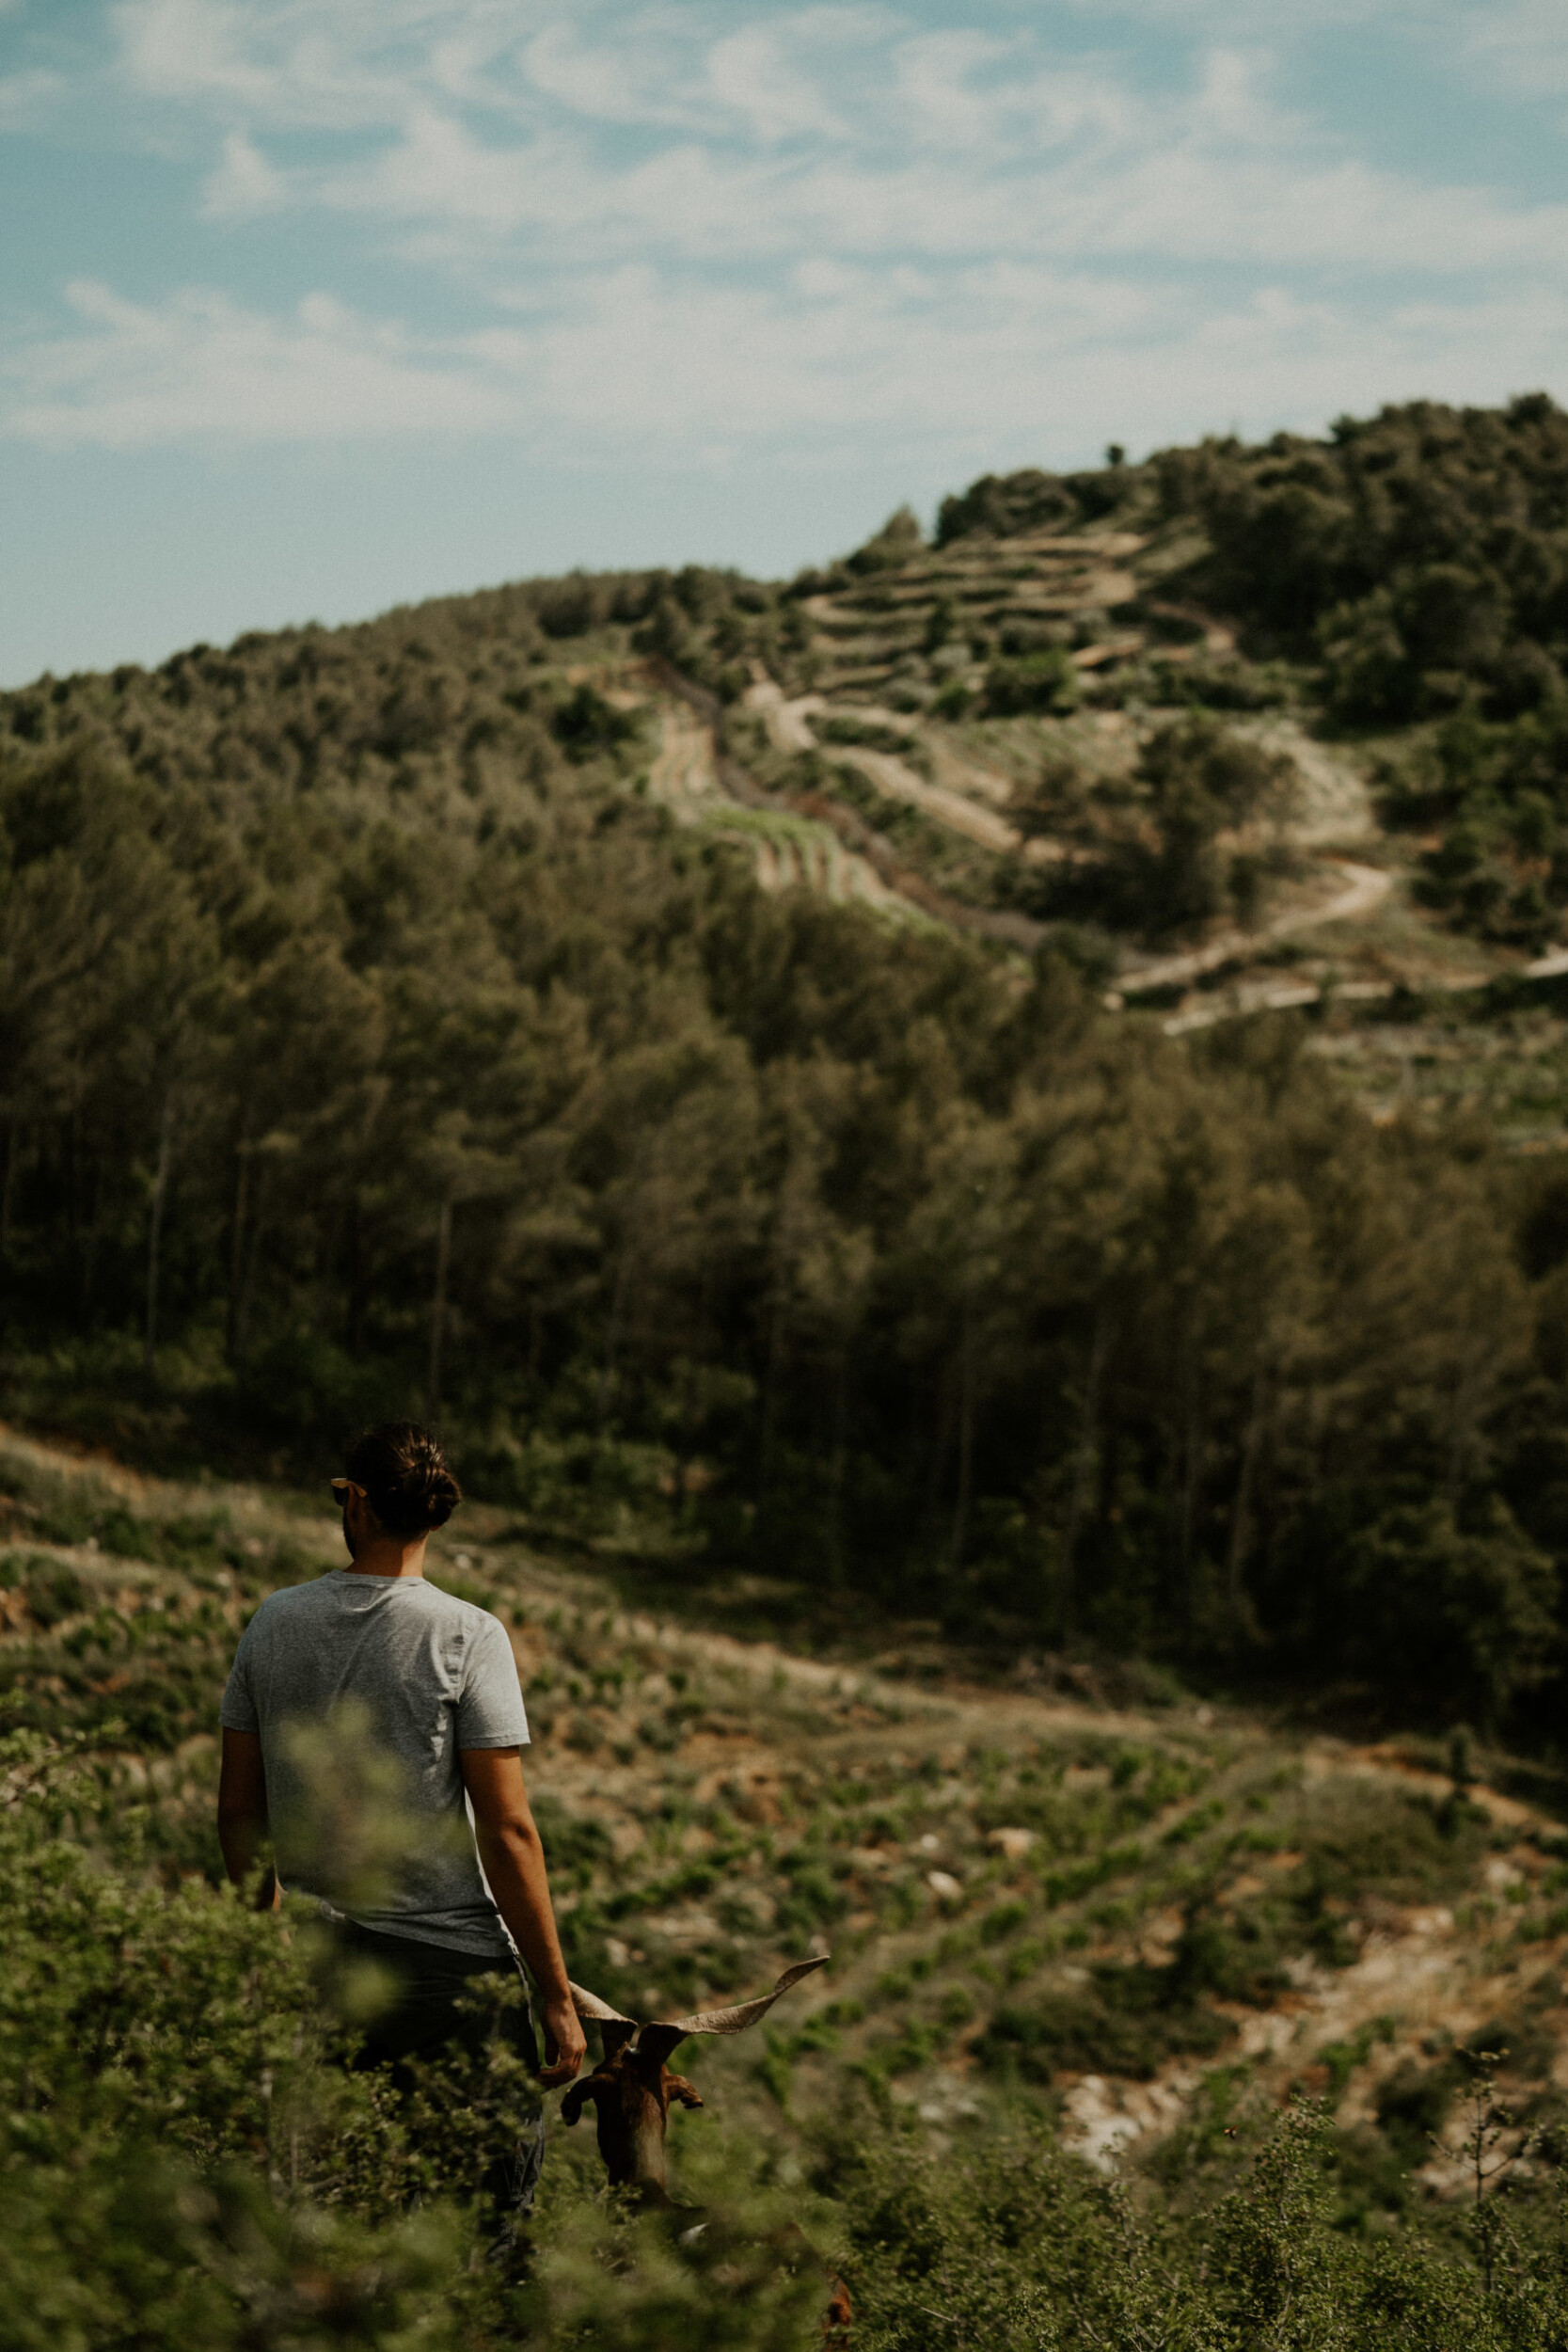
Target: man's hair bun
(405, 1478)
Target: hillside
(1351, 652)
(1372, 626)
(765, 1063)
(1136, 1926)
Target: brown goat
(632, 2087)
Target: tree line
(369, 1037)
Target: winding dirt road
(1365, 887)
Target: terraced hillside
(981, 709)
(1013, 730)
(873, 764)
(1140, 1922)
(1240, 730)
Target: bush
(586, 724)
(1123, 2021)
(184, 2167)
(1009, 2244)
(1481, 1627)
(51, 1590)
(1044, 681)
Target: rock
(942, 1882)
(1014, 1843)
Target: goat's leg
(572, 2105)
(839, 2317)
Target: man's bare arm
(513, 1858)
(242, 1803)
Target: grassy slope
(1149, 1918)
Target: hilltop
(1239, 729)
(1257, 728)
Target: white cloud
(296, 64)
(679, 222)
(1522, 46)
(642, 358)
(1180, 201)
(625, 82)
(753, 76)
(245, 183)
(127, 375)
(678, 371)
(808, 131)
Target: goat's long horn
(672, 2029)
(743, 2014)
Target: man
(373, 1659)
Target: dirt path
(786, 721)
(1365, 887)
(965, 775)
(949, 804)
(896, 781)
(968, 1710)
(685, 775)
(1272, 997)
(1335, 803)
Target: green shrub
(1124, 2020)
(1043, 681)
(183, 2167)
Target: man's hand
(565, 2044)
(514, 1860)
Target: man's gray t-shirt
(364, 1689)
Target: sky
(308, 308)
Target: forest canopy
(369, 1037)
(1419, 549)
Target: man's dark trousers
(426, 2018)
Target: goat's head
(632, 2088)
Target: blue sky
(311, 307)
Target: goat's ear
(596, 2012)
(733, 2020)
(684, 2094)
(655, 2043)
(617, 2030)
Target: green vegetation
(1423, 548)
(372, 1035)
(410, 1016)
(1161, 866)
(1018, 1895)
(1401, 583)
